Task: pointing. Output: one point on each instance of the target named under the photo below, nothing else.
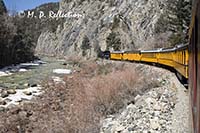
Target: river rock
(120, 128)
(7, 100)
(64, 64)
(10, 106)
(28, 93)
(137, 97)
(23, 114)
(11, 91)
(150, 100)
(4, 94)
(27, 85)
(2, 109)
(2, 102)
(34, 85)
(157, 107)
(154, 124)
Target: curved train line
(176, 58)
(184, 59)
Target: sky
(20, 5)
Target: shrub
(113, 41)
(85, 45)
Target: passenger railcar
(176, 58)
(132, 56)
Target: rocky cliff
(115, 25)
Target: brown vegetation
(99, 89)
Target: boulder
(27, 85)
(28, 93)
(7, 100)
(64, 64)
(120, 128)
(4, 94)
(154, 124)
(2, 102)
(157, 107)
(34, 85)
(150, 100)
(11, 91)
(2, 109)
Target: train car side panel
(181, 62)
(165, 58)
(148, 57)
(116, 56)
(132, 56)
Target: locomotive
(184, 59)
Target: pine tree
(2, 7)
(176, 19)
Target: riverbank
(79, 101)
(22, 82)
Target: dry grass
(88, 96)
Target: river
(26, 76)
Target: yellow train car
(116, 55)
(149, 56)
(181, 59)
(165, 57)
(132, 56)
(176, 57)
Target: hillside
(15, 45)
(117, 25)
(19, 35)
(35, 26)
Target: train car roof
(151, 51)
(161, 50)
(117, 52)
(177, 47)
(181, 47)
(132, 51)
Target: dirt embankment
(163, 109)
(96, 90)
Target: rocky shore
(20, 83)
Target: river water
(22, 82)
(33, 73)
